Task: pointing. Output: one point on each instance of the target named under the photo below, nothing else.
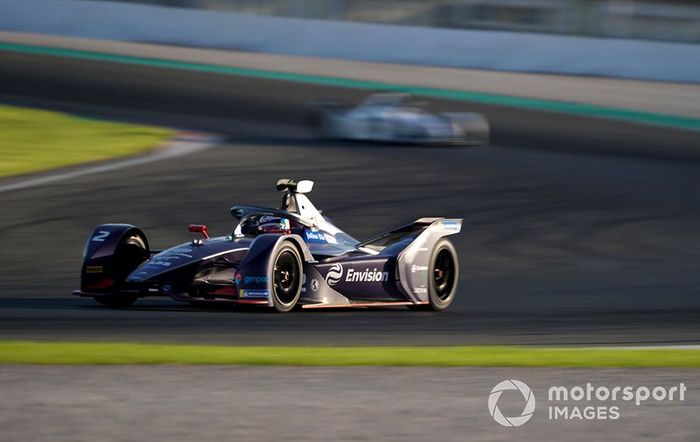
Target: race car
(394, 118)
(285, 258)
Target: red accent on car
(252, 301)
(280, 231)
(199, 228)
(224, 291)
(364, 304)
(102, 284)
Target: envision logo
(516, 421)
(334, 274)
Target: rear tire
(443, 275)
(286, 275)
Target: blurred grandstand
(670, 20)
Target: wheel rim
(286, 277)
(444, 274)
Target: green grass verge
(79, 353)
(35, 140)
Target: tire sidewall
(435, 302)
(276, 302)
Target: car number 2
(100, 236)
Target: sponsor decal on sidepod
(335, 275)
(255, 279)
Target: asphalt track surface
(576, 230)
(317, 404)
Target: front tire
(116, 301)
(286, 275)
(443, 275)
(131, 252)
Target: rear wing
(448, 226)
(394, 241)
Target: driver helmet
(273, 224)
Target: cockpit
(296, 215)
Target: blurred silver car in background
(394, 117)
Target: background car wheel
(130, 253)
(472, 129)
(286, 277)
(443, 275)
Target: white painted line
(629, 347)
(184, 144)
(654, 347)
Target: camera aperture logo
(528, 396)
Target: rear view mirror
(305, 186)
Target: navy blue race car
(282, 258)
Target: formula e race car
(393, 117)
(282, 258)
